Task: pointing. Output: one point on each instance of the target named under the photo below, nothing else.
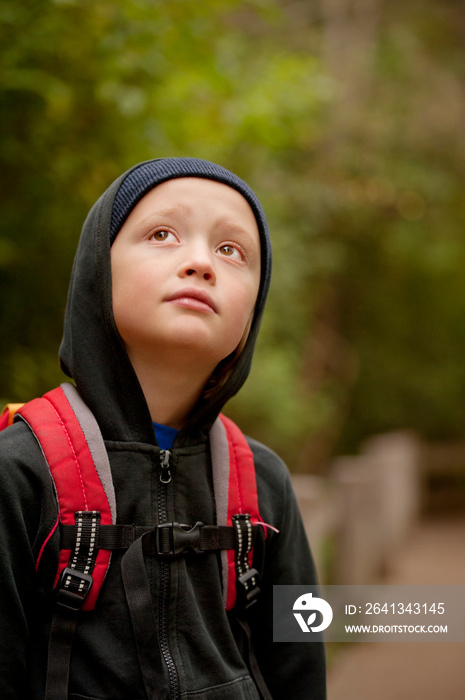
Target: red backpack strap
(72, 445)
(235, 489)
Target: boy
(165, 301)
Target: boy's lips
(195, 299)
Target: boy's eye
(162, 235)
(230, 251)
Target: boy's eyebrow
(230, 226)
(169, 211)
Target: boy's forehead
(194, 187)
(193, 193)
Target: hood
(92, 351)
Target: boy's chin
(200, 343)
(189, 350)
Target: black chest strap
(167, 540)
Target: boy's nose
(206, 275)
(199, 263)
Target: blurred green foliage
(346, 118)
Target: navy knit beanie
(145, 176)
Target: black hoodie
(197, 649)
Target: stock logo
(308, 604)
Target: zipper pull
(165, 473)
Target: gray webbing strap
(219, 451)
(94, 441)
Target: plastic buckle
(174, 539)
(73, 588)
(246, 589)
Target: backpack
(73, 448)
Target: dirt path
(434, 554)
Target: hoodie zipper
(165, 479)
(165, 471)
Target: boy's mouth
(195, 299)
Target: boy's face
(185, 272)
